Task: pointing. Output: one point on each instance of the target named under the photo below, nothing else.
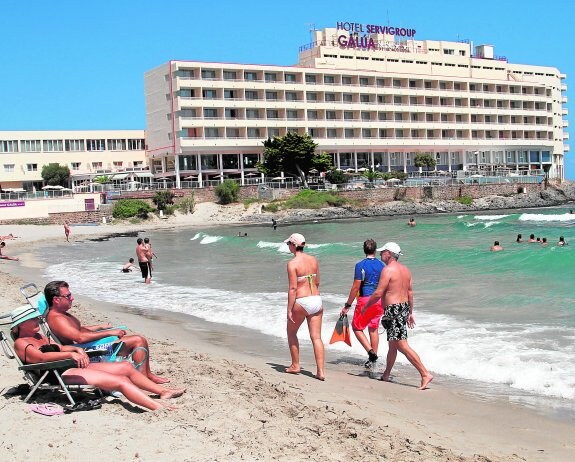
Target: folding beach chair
(37, 375)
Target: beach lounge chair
(37, 375)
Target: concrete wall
(42, 208)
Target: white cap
(296, 239)
(392, 247)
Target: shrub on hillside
(128, 208)
(227, 192)
(309, 199)
(187, 204)
(465, 200)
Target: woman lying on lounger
(32, 347)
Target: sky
(77, 65)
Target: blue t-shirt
(368, 271)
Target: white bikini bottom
(311, 304)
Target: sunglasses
(68, 296)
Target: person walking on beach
(67, 230)
(304, 303)
(6, 257)
(395, 289)
(143, 261)
(365, 280)
(496, 247)
(70, 331)
(150, 253)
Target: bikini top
(48, 348)
(309, 278)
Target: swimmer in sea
(127, 268)
(519, 238)
(411, 222)
(531, 238)
(496, 247)
(562, 242)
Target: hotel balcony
(564, 99)
(566, 148)
(563, 87)
(565, 123)
(565, 111)
(565, 135)
(562, 76)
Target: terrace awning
(119, 176)
(144, 174)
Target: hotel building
(371, 96)
(87, 153)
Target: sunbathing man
(6, 257)
(69, 330)
(32, 347)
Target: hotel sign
(354, 40)
(12, 204)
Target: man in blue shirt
(365, 281)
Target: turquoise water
(504, 320)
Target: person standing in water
(304, 303)
(67, 230)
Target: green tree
(372, 175)
(424, 160)
(55, 174)
(103, 179)
(128, 208)
(227, 192)
(293, 154)
(162, 199)
(335, 176)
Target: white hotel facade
(370, 99)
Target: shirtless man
(395, 288)
(143, 260)
(67, 230)
(496, 247)
(411, 222)
(69, 330)
(6, 257)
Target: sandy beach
(240, 406)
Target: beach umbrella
(393, 180)
(313, 170)
(191, 177)
(44, 188)
(251, 174)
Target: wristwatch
(347, 305)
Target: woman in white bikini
(304, 302)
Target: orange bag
(341, 331)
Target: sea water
(503, 321)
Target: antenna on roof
(312, 29)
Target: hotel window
(523, 157)
(210, 113)
(250, 160)
(231, 161)
(75, 165)
(273, 132)
(270, 77)
(457, 86)
(428, 101)
(312, 115)
(209, 161)
(96, 165)
(8, 168)
(348, 133)
(415, 133)
(9, 146)
(459, 118)
(510, 157)
(397, 99)
(347, 97)
(380, 82)
(427, 84)
(251, 95)
(138, 163)
(412, 84)
(381, 116)
(313, 132)
(291, 114)
(444, 117)
(459, 134)
(346, 80)
(413, 100)
(414, 116)
(209, 94)
(96, 145)
(208, 74)
(211, 132)
(396, 83)
(231, 113)
(364, 98)
(30, 145)
(310, 78)
(447, 51)
(230, 94)
(443, 101)
(291, 96)
(442, 85)
(381, 99)
(117, 145)
(365, 115)
(290, 78)
(457, 102)
(472, 87)
(329, 97)
(364, 81)
(253, 132)
(117, 164)
(136, 144)
(53, 145)
(348, 115)
(188, 112)
(395, 158)
(271, 95)
(311, 96)
(429, 117)
(250, 75)
(330, 115)
(329, 79)
(185, 74)
(382, 133)
(461, 52)
(74, 145)
(32, 167)
(272, 114)
(430, 134)
(252, 114)
(230, 75)
(331, 133)
(399, 132)
(232, 132)
(366, 132)
(398, 116)
(187, 93)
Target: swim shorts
(395, 321)
(144, 266)
(371, 317)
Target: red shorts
(370, 318)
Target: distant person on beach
(8, 237)
(544, 242)
(519, 238)
(395, 289)
(70, 331)
(67, 230)
(411, 222)
(127, 268)
(562, 241)
(240, 234)
(143, 261)
(304, 303)
(6, 257)
(33, 347)
(531, 238)
(274, 224)
(496, 247)
(571, 211)
(150, 253)
(365, 280)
